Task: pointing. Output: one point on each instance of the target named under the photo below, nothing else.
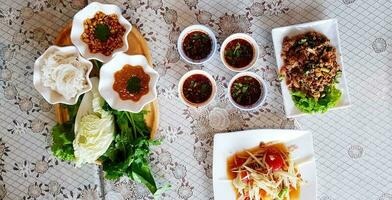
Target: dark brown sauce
(240, 157)
(197, 45)
(246, 90)
(197, 88)
(238, 53)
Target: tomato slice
(238, 161)
(274, 159)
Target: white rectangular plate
(330, 29)
(227, 144)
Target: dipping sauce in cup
(197, 88)
(196, 44)
(247, 91)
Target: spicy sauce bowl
(260, 82)
(113, 71)
(190, 88)
(183, 39)
(239, 52)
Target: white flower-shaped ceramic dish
(89, 12)
(181, 84)
(189, 30)
(49, 95)
(107, 80)
(247, 38)
(227, 144)
(330, 29)
(262, 98)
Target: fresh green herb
(329, 99)
(338, 76)
(202, 37)
(324, 69)
(204, 88)
(134, 85)
(244, 89)
(102, 32)
(96, 63)
(129, 151)
(63, 134)
(302, 41)
(193, 84)
(127, 154)
(329, 48)
(281, 77)
(311, 42)
(236, 51)
(283, 193)
(240, 89)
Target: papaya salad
(311, 71)
(264, 172)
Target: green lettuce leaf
(63, 134)
(310, 105)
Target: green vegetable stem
(129, 151)
(127, 155)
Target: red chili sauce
(197, 88)
(197, 45)
(131, 82)
(238, 53)
(246, 90)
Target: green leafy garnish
(236, 51)
(129, 151)
(96, 63)
(324, 69)
(134, 85)
(63, 134)
(283, 193)
(102, 32)
(240, 89)
(281, 77)
(204, 88)
(202, 37)
(127, 155)
(302, 41)
(307, 104)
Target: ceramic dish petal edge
(107, 79)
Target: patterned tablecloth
(353, 146)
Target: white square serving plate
(330, 29)
(227, 144)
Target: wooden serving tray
(137, 46)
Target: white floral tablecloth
(353, 146)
